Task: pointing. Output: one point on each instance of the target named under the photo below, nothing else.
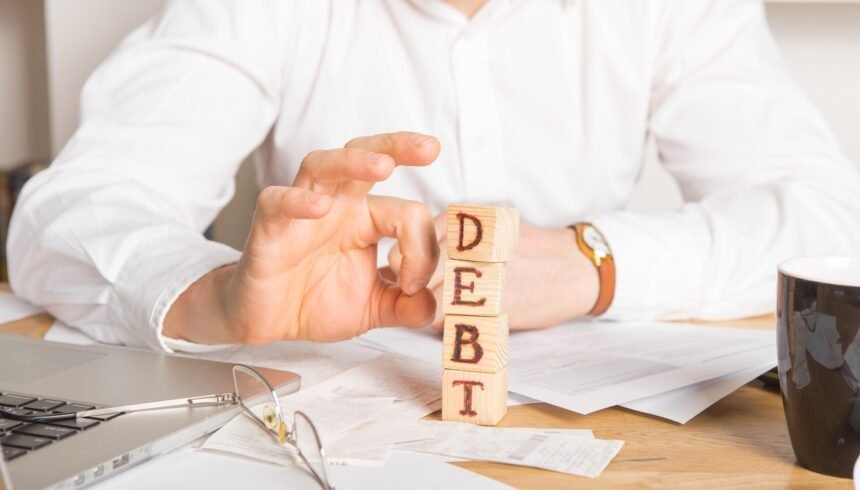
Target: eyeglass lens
(310, 446)
(257, 397)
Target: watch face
(595, 241)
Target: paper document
(314, 362)
(585, 367)
(566, 451)
(360, 414)
(195, 469)
(424, 344)
(393, 375)
(683, 404)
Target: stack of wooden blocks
(480, 240)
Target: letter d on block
(476, 236)
(482, 233)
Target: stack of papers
(670, 370)
(360, 414)
(367, 396)
(366, 412)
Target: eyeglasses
(255, 396)
(260, 402)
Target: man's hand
(309, 270)
(549, 281)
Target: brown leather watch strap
(605, 266)
(606, 273)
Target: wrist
(585, 278)
(199, 315)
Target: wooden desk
(741, 442)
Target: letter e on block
(478, 398)
(473, 288)
(482, 233)
(475, 343)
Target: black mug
(818, 318)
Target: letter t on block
(477, 398)
(482, 233)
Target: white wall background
(23, 96)
(821, 43)
(79, 34)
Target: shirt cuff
(218, 256)
(161, 278)
(659, 264)
(177, 345)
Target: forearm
(717, 259)
(575, 282)
(199, 314)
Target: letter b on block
(473, 343)
(482, 233)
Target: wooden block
(482, 233)
(475, 343)
(473, 288)
(479, 398)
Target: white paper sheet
(566, 451)
(359, 413)
(214, 471)
(585, 367)
(14, 308)
(395, 424)
(683, 404)
(313, 361)
(242, 437)
(424, 344)
(393, 375)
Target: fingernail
(314, 197)
(421, 140)
(415, 287)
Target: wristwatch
(594, 246)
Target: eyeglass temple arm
(197, 401)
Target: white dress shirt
(544, 105)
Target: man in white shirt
(543, 105)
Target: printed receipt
(567, 451)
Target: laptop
(47, 377)
(5, 483)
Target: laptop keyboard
(19, 438)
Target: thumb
(394, 308)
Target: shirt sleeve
(762, 176)
(111, 233)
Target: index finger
(405, 147)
